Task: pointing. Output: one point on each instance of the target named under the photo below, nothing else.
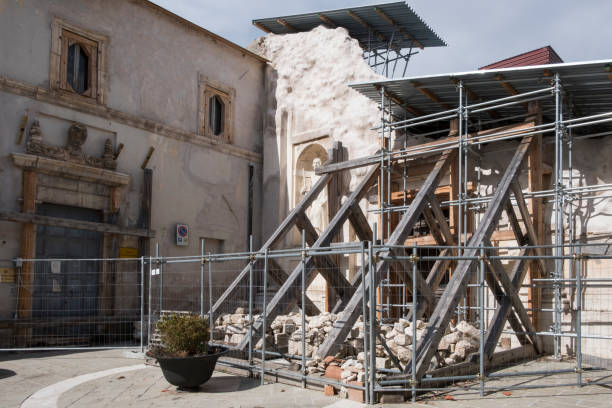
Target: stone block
(355, 394)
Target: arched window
(77, 68)
(216, 115)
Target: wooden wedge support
(291, 290)
(456, 288)
(353, 309)
(222, 303)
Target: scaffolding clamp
(252, 257)
(203, 260)
(578, 370)
(414, 258)
(481, 377)
(304, 254)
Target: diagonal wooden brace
(353, 309)
(497, 269)
(291, 290)
(241, 280)
(455, 290)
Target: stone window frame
(207, 89)
(62, 33)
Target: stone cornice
(55, 98)
(70, 170)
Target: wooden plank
(324, 263)
(261, 27)
(503, 309)
(439, 216)
(514, 224)
(426, 148)
(399, 28)
(278, 275)
(496, 267)
(282, 229)
(334, 192)
(285, 24)
(353, 308)
(433, 226)
(367, 25)
(531, 232)
(327, 20)
(456, 288)
(290, 291)
(431, 95)
(535, 174)
(360, 224)
(36, 219)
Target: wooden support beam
(400, 102)
(475, 97)
(278, 275)
(327, 21)
(291, 290)
(360, 224)
(426, 148)
(504, 308)
(261, 27)
(287, 224)
(367, 25)
(515, 225)
(456, 288)
(439, 216)
(535, 174)
(285, 24)
(430, 95)
(35, 219)
(497, 269)
(608, 69)
(353, 307)
(508, 87)
(400, 29)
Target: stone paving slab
(23, 374)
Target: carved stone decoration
(73, 151)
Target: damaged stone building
(123, 133)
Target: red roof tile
(541, 56)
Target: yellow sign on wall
(126, 252)
(7, 275)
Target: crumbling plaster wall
(309, 102)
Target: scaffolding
(459, 271)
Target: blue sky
(477, 31)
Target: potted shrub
(185, 357)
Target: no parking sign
(182, 234)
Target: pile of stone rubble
(285, 336)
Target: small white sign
(56, 266)
(155, 271)
(182, 234)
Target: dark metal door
(66, 288)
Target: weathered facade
(122, 120)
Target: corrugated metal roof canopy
(373, 26)
(588, 84)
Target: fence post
(481, 273)
(202, 261)
(142, 282)
(577, 259)
(161, 277)
(303, 264)
(210, 298)
(414, 320)
(150, 298)
(364, 303)
(264, 325)
(250, 305)
(372, 327)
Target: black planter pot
(190, 372)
